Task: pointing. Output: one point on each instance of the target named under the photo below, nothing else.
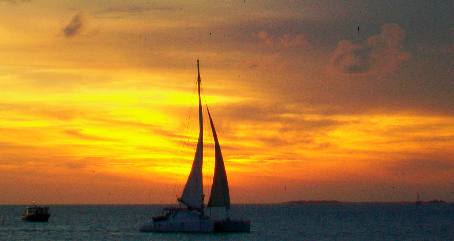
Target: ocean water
(269, 222)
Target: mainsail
(219, 196)
(193, 190)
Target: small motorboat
(36, 213)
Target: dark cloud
(73, 27)
(380, 53)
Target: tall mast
(200, 101)
(193, 190)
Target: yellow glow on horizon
(117, 103)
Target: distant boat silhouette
(418, 199)
(36, 213)
(190, 215)
(434, 201)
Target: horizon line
(264, 203)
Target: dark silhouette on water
(36, 213)
(336, 202)
(433, 201)
(418, 199)
(190, 215)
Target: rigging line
(188, 123)
(185, 139)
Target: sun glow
(112, 104)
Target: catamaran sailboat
(190, 215)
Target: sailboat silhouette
(190, 215)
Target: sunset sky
(98, 99)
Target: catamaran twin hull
(180, 220)
(202, 227)
(183, 220)
(232, 226)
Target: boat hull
(198, 226)
(180, 221)
(232, 226)
(206, 226)
(36, 218)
